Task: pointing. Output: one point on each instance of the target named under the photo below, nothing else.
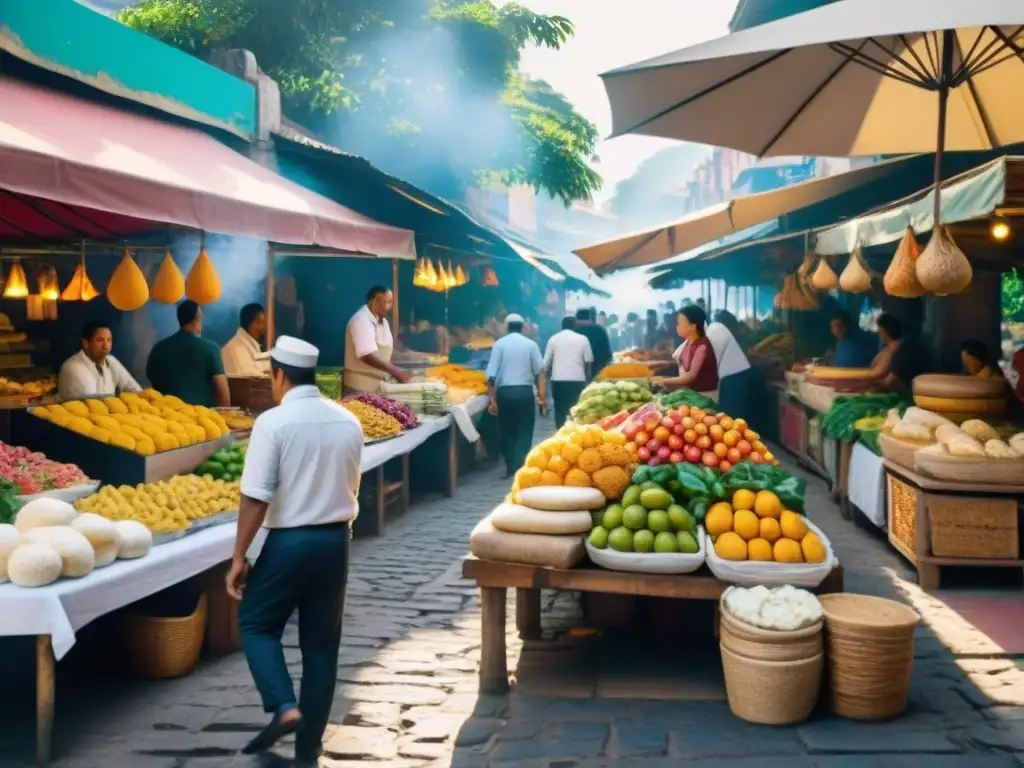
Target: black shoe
(272, 734)
(307, 757)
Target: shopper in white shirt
(568, 357)
(741, 391)
(93, 370)
(241, 355)
(304, 459)
(369, 344)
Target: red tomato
(688, 422)
(716, 432)
(643, 454)
(673, 415)
(720, 450)
(654, 444)
(724, 466)
(750, 436)
(664, 452)
(733, 456)
(703, 442)
(709, 459)
(755, 457)
(683, 411)
(654, 462)
(641, 438)
(679, 429)
(676, 457)
(731, 437)
(744, 448)
(726, 423)
(690, 436)
(629, 431)
(701, 429)
(662, 433)
(710, 420)
(651, 422)
(668, 423)
(675, 442)
(693, 454)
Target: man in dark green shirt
(188, 366)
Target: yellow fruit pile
(625, 371)
(458, 377)
(144, 422)
(756, 527)
(167, 506)
(375, 423)
(582, 456)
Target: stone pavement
(407, 693)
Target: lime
(621, 539)
(635, 517)
(599, 538)
(643, 541)
(687, 543)
(658, 521)
(631, 496)
(612, 518)
(681, 519)
(666, 543)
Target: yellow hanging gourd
(824, 279)
(901, 277)
(202, 284)
(855, 277)
(169, 283)
(127, 289)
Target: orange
(716, 432)
(731, 437)
(767, 504)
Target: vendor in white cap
(301, 482)
(369, 344)
(515, 366)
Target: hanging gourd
(49, 288)
(856, 278)
(942, 267)
(17, 284)
(202, 284)
(901, 277)
(169, 283)
(127, 290)
(824, 279)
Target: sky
(610, 34)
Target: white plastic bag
(651, 562)
(746, 573)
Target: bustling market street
(407, 681)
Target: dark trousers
(516, 414)
(565, 394)
(743, 396)
(303, 569)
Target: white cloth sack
(866, 484)
(745, 573)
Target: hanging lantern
(49, 288)
(202, 284)
(419, 278)
(460, 276)
(169, 283)
(80, 288)
(431, 276)
(128, 289)
(17, 284)
(490, 277)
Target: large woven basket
(870, 644)
(898, 451)
(772, 692)
(766, 644)
(985, 527)
(161, 648)
(963, 469)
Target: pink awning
(75, 152)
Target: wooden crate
(250, 393)
(978, 527)
(902, 516)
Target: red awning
(61, 148)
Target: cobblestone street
(407, 693)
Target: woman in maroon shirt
(698, 367)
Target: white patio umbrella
(853, 78)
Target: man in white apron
(369, 344)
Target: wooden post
(379, 495)
(46, 690)
(452, 479)
(394, 290)
(405, 483)
(528, 613)
(269, 298)
(493, 664)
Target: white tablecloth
(63, 608)
(465, 412)
(867, 484)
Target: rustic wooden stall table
(495, 578)
(914, 503)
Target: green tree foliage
(427, 89)
(1013, 297)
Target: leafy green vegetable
(837, 423)
(8, 501)
(689, 398)
(764, 477)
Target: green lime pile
(226, 464)
(605, 398)
(646, 520)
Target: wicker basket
(222, 633)
(962, 469)
(161, 648)
(767, 644)
(903, 517)
(772, 692)
(898, 451)
(870, 644)
(985, 528)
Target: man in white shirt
(568, 357)
(369, 344)
(241, 355)
(304, 458)
(94, 371)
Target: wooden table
(494, 579)
(913, 538)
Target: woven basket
(962, 469)
(772, 692)
(898, 451)
(870, 644)
(161, 648)
(768, 644)
(984, 528)
(903, 516)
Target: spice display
(394, 408)
(375, 423)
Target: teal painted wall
(71, 39)
(750, 13)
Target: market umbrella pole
(945, 79)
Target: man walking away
(597, 336)
(304, 457)
(568, 357)
(514, 366)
